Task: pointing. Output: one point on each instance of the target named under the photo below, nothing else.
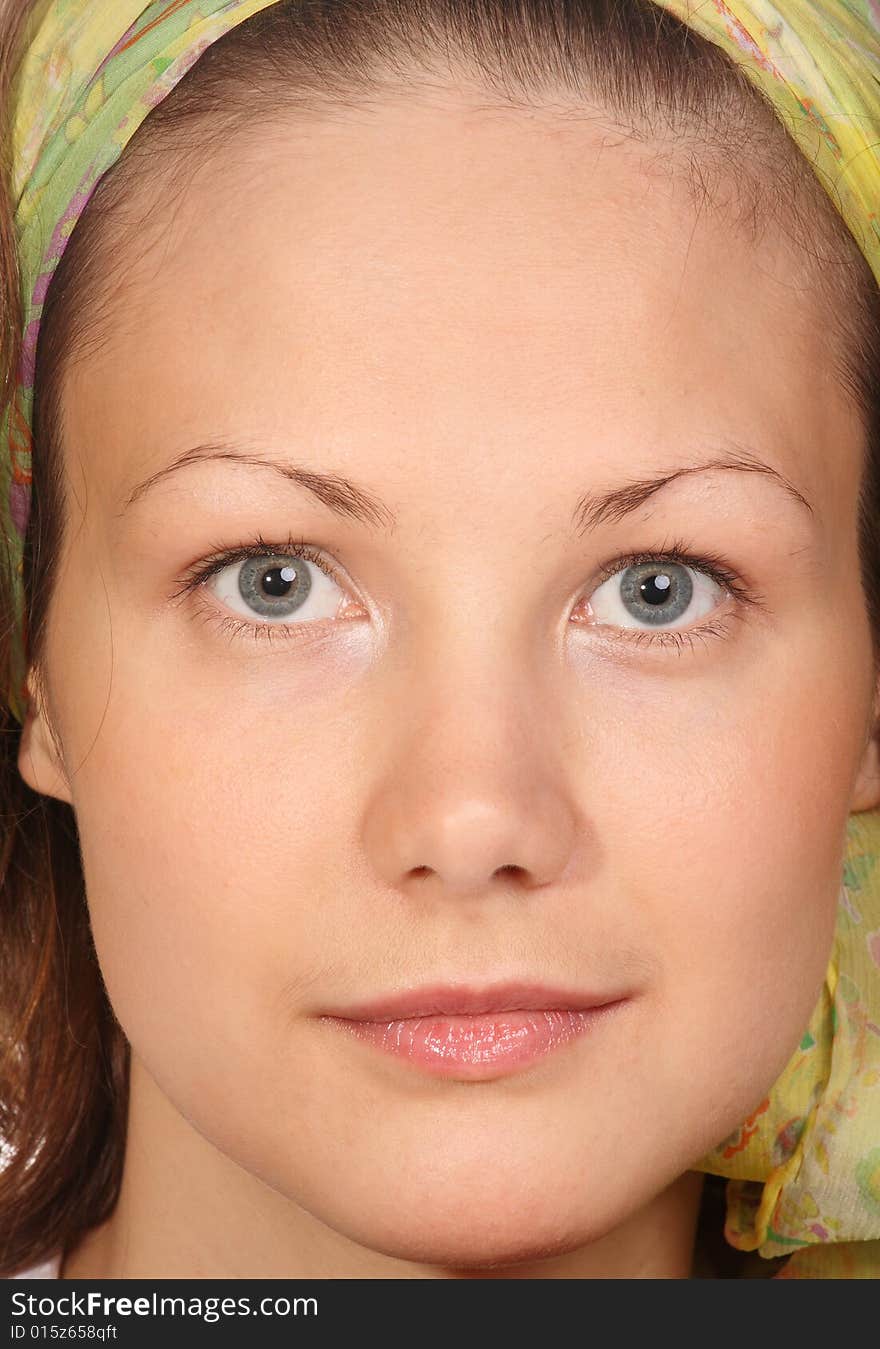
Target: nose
(473, 795)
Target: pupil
(655, 590)
(277, 580)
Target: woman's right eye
(277, 588)
(267, 591)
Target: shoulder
(49, 1269)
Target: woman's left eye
(271, 590)
(661, 599)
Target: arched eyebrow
(340, 494)
(595, 508)
(349, 500)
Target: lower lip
(476, 1046)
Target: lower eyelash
(680, 638)
(241, 627)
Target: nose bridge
(476, 675)
(464, 578)
(479, 657)
(476, 618)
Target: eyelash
(677, 551)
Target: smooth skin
(463, 763)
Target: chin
(474, 1232)
(475, 1248)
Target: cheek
(212, 883)
(734, 873)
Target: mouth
(472, 1033)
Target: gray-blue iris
(656, 592)
(274, 585)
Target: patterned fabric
(804, 1168)
(818, 61)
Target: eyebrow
(594, 508)
(340, 494)
(348, 500)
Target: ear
(39, 756)
(866, 792)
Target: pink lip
(461, 999)
(473, 1033)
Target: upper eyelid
(217, 559)
(712, 566)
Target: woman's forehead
(430, 284)
(433, 210)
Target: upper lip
(452, 999)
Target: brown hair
(63, 1056)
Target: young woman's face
(440, 348)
